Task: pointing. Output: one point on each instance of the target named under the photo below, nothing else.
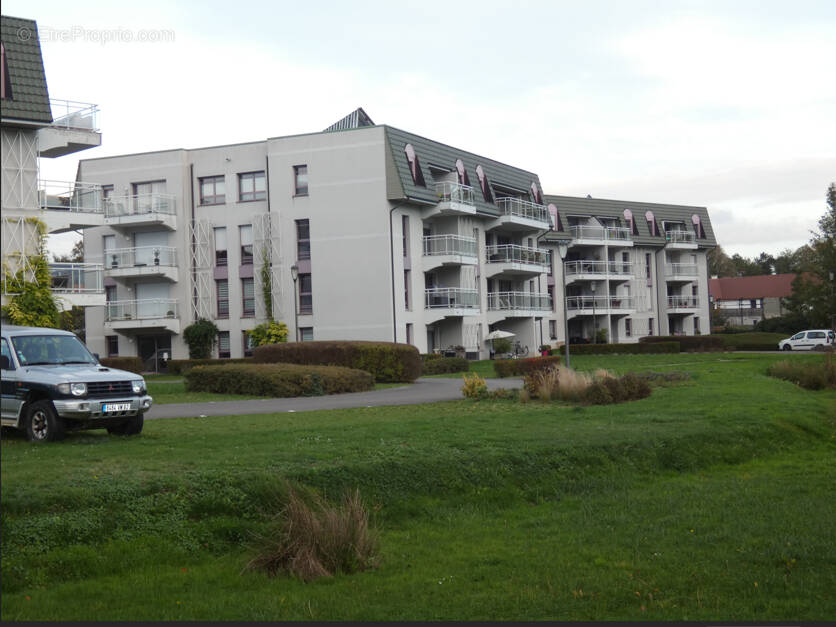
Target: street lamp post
(594, 319)
(294, 274)
(562, 249)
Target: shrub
(131, 364)
(388, 362)
(598, 394)
(446, 364)
(517, 367)
(600, 388)
(808, 376)
(200, 336)
(543, 384)
(182, 366)
(624, 349)
(277, 380)
(425, 357)
(700, 343)
(501, 345)
(474, 386)
(312, 539)
(270, 332)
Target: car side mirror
(4, 363)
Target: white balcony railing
(140, 256)
(601, 233)
(451, 298)
(683, 302)
(514, 253)
(70, 196)
(512, 301)
(454, 192)
(523, 209)
(679, 237)
(76, 278)
(74, 115)
(681, 269)
(586, 266)
(600, 303)
(144, 309)
(139, 204)
(449, 245)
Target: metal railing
(574, 303)
(523, 209)
(451, 298)
(510, 301)
(681, 269)
(449, 245)
(76, 278)
(74, 115)
(140, 256)
(514, 253)
(143, 309)
(454, 192)
(679, 237)
(585, 266)
(139, 204)
(683, 302)
(70, 196)
(608, 233)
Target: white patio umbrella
(496, 335)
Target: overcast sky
(728, 105)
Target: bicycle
(519, 350)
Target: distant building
(746, 300)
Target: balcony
(600, 305)
(517, 214)
(449, 250)
(681, 272)
(594, 270)
(78, 284)
(70, 205)
(141, 210)
(515, 260)
(517, 305)
(447, 302)
(591, 235)
(454, 199)
(134, 315)
(143, 261)
(74, 127)
(683, 304)
(678, 239)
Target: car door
(8, 385)
(797, 341)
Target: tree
(719, 263)
(76, 254)
(200, 336)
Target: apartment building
(34, 126)
(365, 231)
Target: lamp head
(294, 272)
(562, 249)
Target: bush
(598, 394)
(131, 364)
(200, 336)
(270, 332)
(445, 365)
(425, 357)
(688, 343)
(501, 345)
(623, 349)
(277, 380)
(182, 366)
(474, 386)
(517, 367)
(388, 362)
(808, 376)
(752, 341)
(601, 388)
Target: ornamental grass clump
(474, 386)
(600, 388)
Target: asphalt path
(424, 390)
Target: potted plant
(545, 350)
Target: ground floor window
(112, 342)
(553, 329)
(628, 327)
(223, 345)
(248, 344)
(305, 334)
(409, 333)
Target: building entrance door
(154, 351)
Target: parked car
(51, 384)
(816, 339)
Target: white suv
(816, 339)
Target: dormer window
(699, 231)
(5, 80)
(652, 226)
(484, 185)
(535, 193)
(414, 165)
(631, 223)
(464, 179)
(555, 214)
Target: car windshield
(33, 350)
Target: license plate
(112, 407)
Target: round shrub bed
(277, 380)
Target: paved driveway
(424, 390)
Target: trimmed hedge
(688, 343)
(388, 362)
(517, 367)
(277, 380)
(131, 364)
(445, 365)
(182, 366)
(624, 349)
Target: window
(648, 269)
(553, 329)
(414, 165)
(303, 239)
(111, 259)
(305, 294)
(251, 186)
(245, 235)
(212, 190)
(107, 193)
(650, 326)
(484, 184)
(112, 345)
(248, 298)
(247, 343)
(6, 79)
(148, 197)
(222, 291)
(110, 293)
(306, 334)
(628, 327)
(223, 345)
(406, 280)
(409, 333)
(300, 180)
(7, 353)
(220, 246)
(405, 234)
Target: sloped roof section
(29, 101)
(748, 287)
(356, 119)
(605, 208)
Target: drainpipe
(392, 265)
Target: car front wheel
(43, 423)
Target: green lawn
(711, 500)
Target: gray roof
(30, 98)
(579, 206)
(438, 155)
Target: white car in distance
(815, 339)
